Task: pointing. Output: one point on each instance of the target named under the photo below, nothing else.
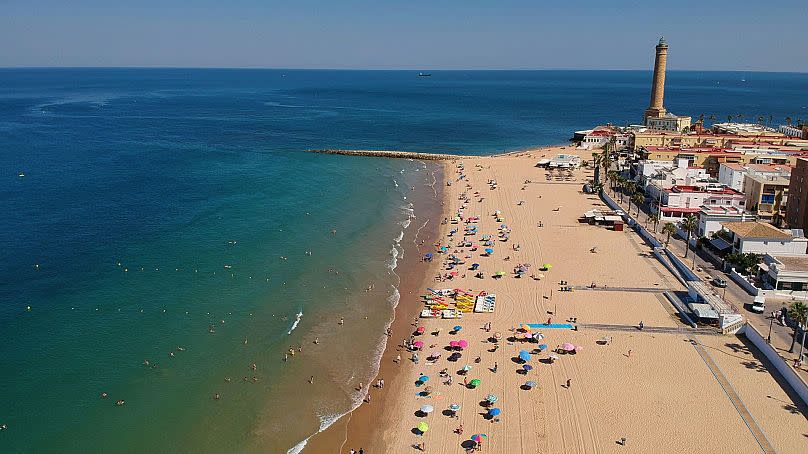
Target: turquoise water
(157, 204)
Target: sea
(166, 240)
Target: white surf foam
(297, 321)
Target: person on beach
(459, 429)
(496, 366)
(316, 340)
(311, 380)
(629, 353)
(569, 382)
(341, 321)
(398, 359)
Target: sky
(411, 34)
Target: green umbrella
(423, 427)
(476, 382)
(500, 273)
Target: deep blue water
(137, 181)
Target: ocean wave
(325, 422)
(297, 321)
(393, 263)
(399, 237)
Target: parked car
(719, 282)
(759, 304)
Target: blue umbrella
(494, 411)
(458, 328)
(530, 384)
(429, 255)
(543, 347)
(423, 378)
(527, 367)
(524, 355)
(489, 251)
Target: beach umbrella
(547, 266)
(567, 347)
(491, 398)
(454, 344)
(428, 390)
(519, 335)
(423, 378)
(500, 273)
(554, 357)
(527, 367)
(466, 368)
(524, 355)
(541, 276)
(479, 438)
(530, 384)
(494, 411)
(578, 348)
(538, 336)
(434, 354)
(524, 327)
(497, 335)
(475, 383)
(457, 328)
(528, 335)
(421, 330)
(422, 426)
(454, 407)
(543, 347)
(418, 344)
(427, 409)
(488, 250)
(463, 343)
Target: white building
(668, 122)
(731, 175)
(680, 201)
(788, 273)
(792, 131)
(762, 238)
(712, 218)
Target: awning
(720, 244)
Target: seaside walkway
(625, 289)
(652, 329)
(750, 422)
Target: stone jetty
(391, 154)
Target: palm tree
(596, 160)
(630, 189)
(638, 199)
(761, 119)
(613, 179)
(789, 120)
(670, 229)
(621, 183)
(657, 217)
(797, 312)
(729, 118)
(689, 224)
(606, 159)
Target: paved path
(625, 289)
(652, 329)
(757, 432)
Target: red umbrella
(420, 330)
(463, 343)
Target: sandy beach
(658, 389)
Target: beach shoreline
(360, 427)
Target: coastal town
(639, 290)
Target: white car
(759, 304)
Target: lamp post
(771, 323)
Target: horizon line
(394, 69)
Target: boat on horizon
(424, 75)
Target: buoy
(28, 308)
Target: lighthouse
(657, 108)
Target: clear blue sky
(411, 34)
